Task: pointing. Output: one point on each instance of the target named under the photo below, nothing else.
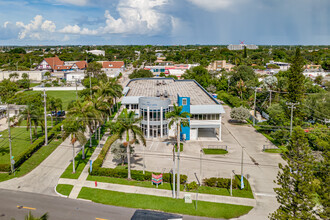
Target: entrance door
(155, 132)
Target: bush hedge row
(225, 183)
(98, 170)
(36, 145)
(231, 100)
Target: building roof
(130, 100)
(63, 67)
(185, 88)
(81, 64)
(113, 64)
(206, 109)
(54, 61)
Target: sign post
(157, 179)
(90, 166)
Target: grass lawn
(20, 141)
(181, 147)
(64, 189)
(33, 161)
(66, 96)
(34, 84)
(79, 162)
(214, 151)
(168, 186)
(207, 209)
(273, 150)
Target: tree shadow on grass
(4, 150)
(153, 215)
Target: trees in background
(240, 113)
(141, 73)
(296, 192)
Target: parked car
(60, 113)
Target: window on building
(184, 101)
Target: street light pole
(254, 107)
(292, 107)
(178, 161)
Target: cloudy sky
(164, 22)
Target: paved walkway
(155, 192)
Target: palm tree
(110, 90)
(28, 113)
(31, 217)
(85, 113)
(127, 124)
(76, 129)
(178, 117)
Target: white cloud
(36, 29)
(138, 17)
(75, 29)
(74, 2)
(213, 5)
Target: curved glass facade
(152, 111)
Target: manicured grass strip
(20, 141)
(64, 189)
(33, 161)
(207, 209)
(168, 186)
(273, 150)
(121, 181)
(214, 151)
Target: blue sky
(164, 22)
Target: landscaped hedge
(21, 158)
(231, 100)
(98, 170)
(225, 183)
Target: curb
(59, 193)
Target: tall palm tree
(177, 117)
(127, 124)
(76, 129)
(28, 113)
(85, 113)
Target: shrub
(192, 186)
(240, 113)
(225, 183)
(231, 100)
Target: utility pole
(242, 163)
(231, 183)
(270, 97)
(173, 184)
(178, 171)
(254, 107)
(200, 164)
(292, 107)
(9, 138)
(45, 112)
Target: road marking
(23, 207)
(101, 219)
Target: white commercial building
(96, 52)
(152, 98)
(34, 75)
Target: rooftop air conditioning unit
(165, 94)
(158, 94)
(164, 83)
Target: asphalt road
(17, 205)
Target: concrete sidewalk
(154, 192)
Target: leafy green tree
(318, 80)
(296, 78)
(7, 89)
(141, 73)
(127, 125)
(240, 113)
(277, 115)
(13, 76)
(75, 129)
(95, 70)
(296, 192)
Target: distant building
(313, 73)
(177, 69)
(56, 64)
(75, 76)
(14, 110)
(96, 52)
(241, 47)
(112, 68)
(220, 65)
(34, 75)
(283, 66)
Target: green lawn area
(66, 96)
(79, 162)
(33, 161)
(64, 189)
(273, 150)
(214, 151)
(207, 209)
(34, 84)
(168, 186)
(20, 141)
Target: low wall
(71, 88)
